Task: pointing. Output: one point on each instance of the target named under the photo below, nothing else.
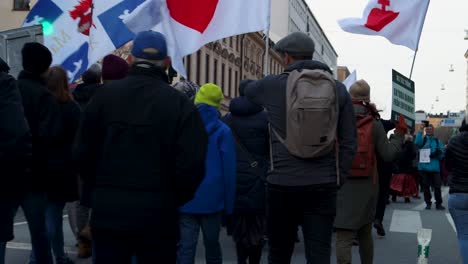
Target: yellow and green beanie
(209, 94)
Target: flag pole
(266, 65)
(419, 38)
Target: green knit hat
(209, 94)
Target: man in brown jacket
(357, 199)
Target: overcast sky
(442, 44)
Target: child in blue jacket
(217, 190)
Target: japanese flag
(190, 24)
(400, 21)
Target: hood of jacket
(241, 106)
(210, 117)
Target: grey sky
(442, 44)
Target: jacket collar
(308, 64)
(148, 69)
(25, 75)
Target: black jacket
(15, 139)
(249, 124)
(43, 115)
(270, 93)
(64, 178)
(405, 162)
(84, 92)
(456, 158)
(142, 145)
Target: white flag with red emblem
(190, 24)
(400, 21)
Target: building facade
(13, 13)
(295, 15)
(342, 73)
(466, 108)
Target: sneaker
(407, 200)
(428, 207)
(66, 261)
(355, 242)
(440, 207)
(379, 228)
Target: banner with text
(403, 98)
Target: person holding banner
(430, 154)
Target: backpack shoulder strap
(252, 160)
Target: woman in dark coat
(249, 126)
(403, 181)
(64, 180)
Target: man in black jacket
(142, 145)
(43, 115)
(15, 152)
(302, 191)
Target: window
(236, 81)
(230, 82)
(230, 42)
(238, 44)
(207, 68)
(215, 72)
(223, 67)
(199, 75)
(21, 5)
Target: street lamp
(466, 36)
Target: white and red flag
(190, 24)
(400, 21)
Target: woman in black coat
(249, 125)
(63, 184)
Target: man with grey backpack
(313, 143)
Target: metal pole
(412, 67)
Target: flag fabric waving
(352, 78)
(401, 22)
(81, 32)
(190, 24)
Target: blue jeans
(33, 205)
(190, 225)
(54, 227)
(458, 207)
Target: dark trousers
(118, 247)
(314, 208)
(385, 176)
(34, 206)
(344, 244)
(190, 225)
(250, 255)
(434, 180)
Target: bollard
(424, 241)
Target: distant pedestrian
(64, 178)
(91, 83)
(457, 157)
(357, 199)
(306, 164)
(188, 88)
(141, 145)
(404, 182)
(429, 167)
(15, 153)
(216, 193)
(249, 125)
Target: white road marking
(25, 222)
(404, 221)
(28, 247)
(452, 223)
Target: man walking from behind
(302, 186)
(15, 152)
(137, 136)
(431, 150)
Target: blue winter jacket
(217, 190)
(437, 149)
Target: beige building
(228, 61)
(342, 73)
(13, 13)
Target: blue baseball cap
(150, 45)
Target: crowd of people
(142, 166)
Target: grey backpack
(311, 114)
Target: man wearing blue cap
(136, 146)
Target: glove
(401, 127)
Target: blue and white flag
(81, 32)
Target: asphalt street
(399, 246)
